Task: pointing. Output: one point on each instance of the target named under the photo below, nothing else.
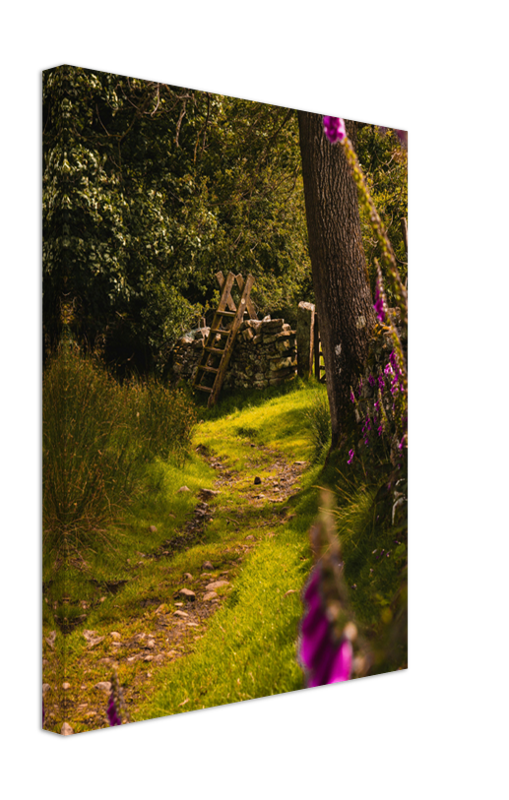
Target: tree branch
(204, 130)
(179, 123)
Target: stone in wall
(187, 352)
(264, 355)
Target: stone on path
(250, 537)
(153, 529)
(115, 635)
(187, 594)
(207, 565)
(209, 493)
(45, 688)
(184, 489)
(103, 686)
(257, 481)
(209, 596)
(180, 614)
(66, 686)
(216, 585)
(188, 576)
(92, 638)
(66, 729)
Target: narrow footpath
(245, 506)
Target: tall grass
(162, 421)
(317, 417)
(97, 437)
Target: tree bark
(342, 293)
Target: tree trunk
(342, 293)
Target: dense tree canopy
(150, 189)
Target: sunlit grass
(247, 648)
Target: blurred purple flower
(380, 430)
(371, 381)
(392, 359)
(388, 370)
(378, 305)
(113, 716)
(381, 382)
(351, 453)
(325, 660)
(403, 136)
(352, 396)
(334, 128)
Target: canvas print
(225, 400)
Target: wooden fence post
(317, 349)
(305, 339)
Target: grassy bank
(175, 654)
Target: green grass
(247, 648)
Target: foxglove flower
(334, 128)
(325, 659)
(351, 453)
(402, 136)
(371, 381)
(113, 716)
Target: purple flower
(392, 360)
(113, 716)
(372, 381)
(381, 382)
(352, 396)
(351, 453)
(402, 136)
(325, 659)
(380, 430)
(400, 445)
(334, 128)
(378, 305)
(388, 370)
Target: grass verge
(173, 654)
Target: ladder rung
(216, 330)
(204, 388)
(209, 369)
(214, 350)
(225, 313)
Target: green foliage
(148, 191)
(106, 222)
(247, 432)
(164, 421)
(97, 438)
(381, 396)
(256, 174)
(385, 165)
(88, 467)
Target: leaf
(382, 600)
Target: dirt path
(175, 618)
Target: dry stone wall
(264, 354)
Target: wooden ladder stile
(226, 324)
(239, 280)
